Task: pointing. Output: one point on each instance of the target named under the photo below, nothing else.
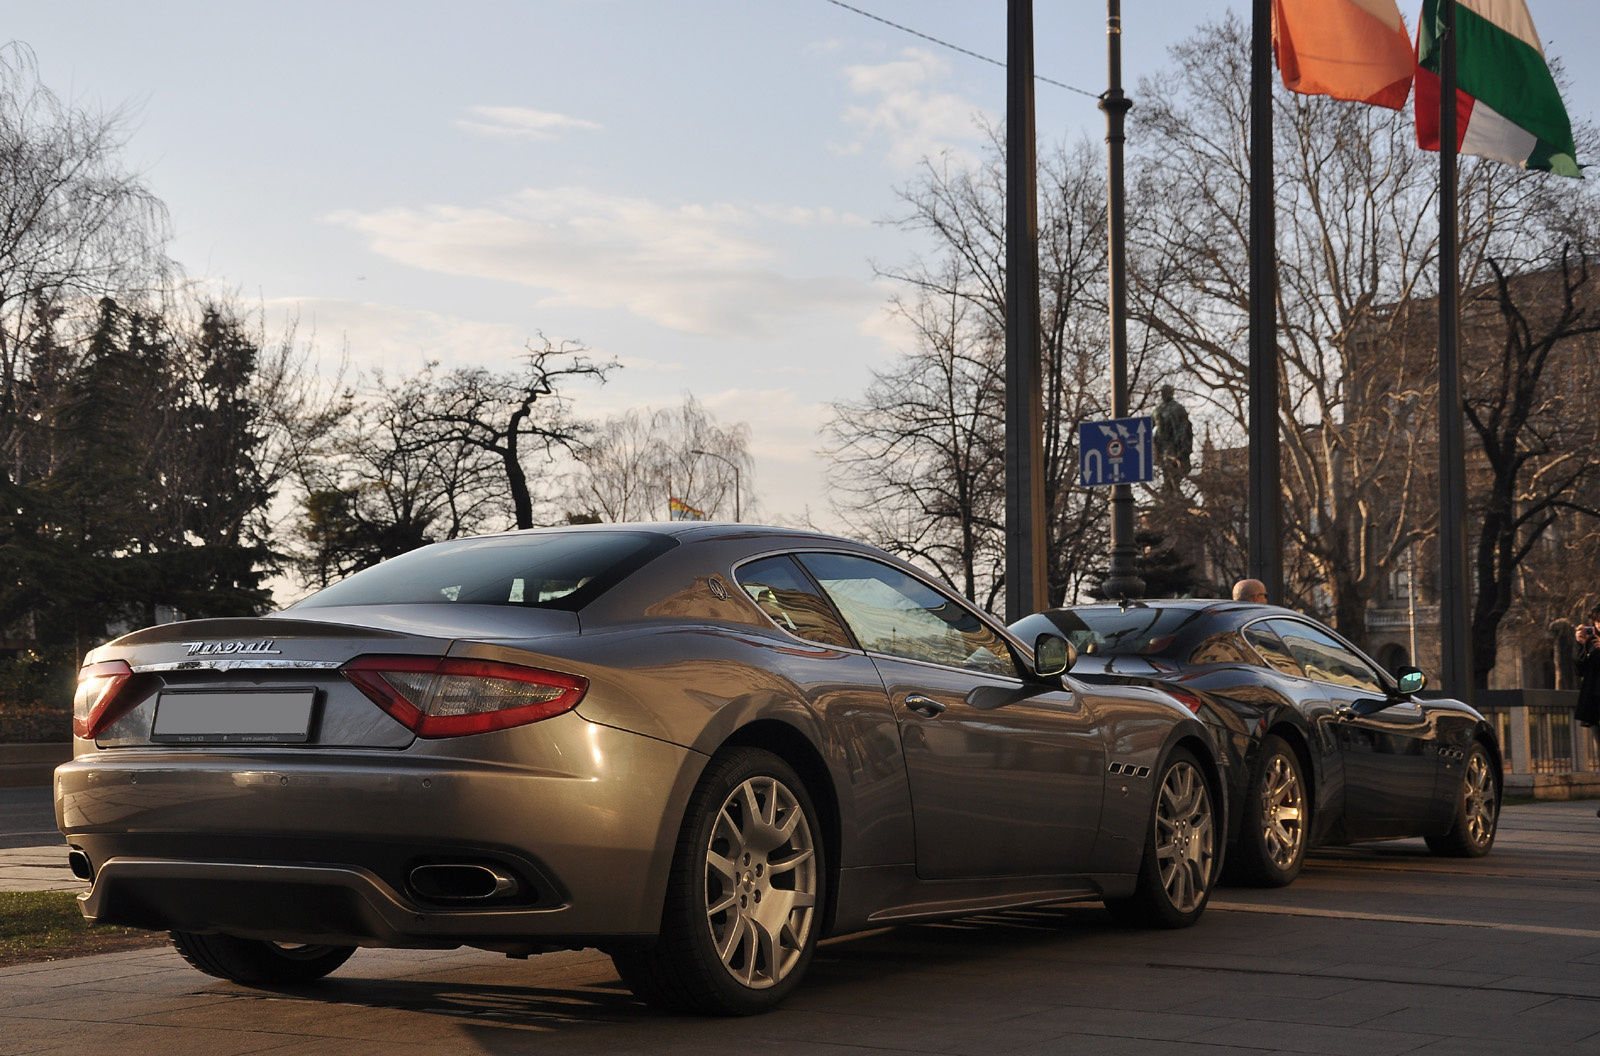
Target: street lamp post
(1123, 580)
(731, 464)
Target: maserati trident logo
(230, 648)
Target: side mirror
(1411, 680)
(1053, 655)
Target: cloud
(396, 340)
(515, 122)
(711, 269)
(904, 117)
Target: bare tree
(919, 459)
(74, 226)
(1356, 245)
(1531, 399)
(395, 463)
(638, 461)
(512, 416)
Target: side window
(1221, 649)
(1326, 658)
(791, 600)
(1272, 649)
(899, 615)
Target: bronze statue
(1174, 438)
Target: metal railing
(1538, 734)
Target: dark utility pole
(1123, 580)
(1455, 643)
(1026, 581)
(1265, 558)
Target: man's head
(1250, 590)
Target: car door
(1006, 774)
(1389, 747)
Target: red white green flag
(1507, 105)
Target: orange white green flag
(678, 510)
(1507, 105)
(1349, 49)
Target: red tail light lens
(96, 704)
(446, 697)
(1187, 699)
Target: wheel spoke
(724, 869)
(728, 827)
(791, 821)
(790, 862)
(765, 955)
(763, 805)
(729, 946)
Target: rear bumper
(313, 903)
(323, 846)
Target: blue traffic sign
(1121, 451)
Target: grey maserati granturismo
(698, 747)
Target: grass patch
(46, 926)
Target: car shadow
(584, 991)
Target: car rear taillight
(1186, 698)
(452, 697)
(100, 699)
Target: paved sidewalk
(1376, 950)
(37, 869)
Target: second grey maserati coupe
(698, 747)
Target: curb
(31, 764)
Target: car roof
(1195, 604)
(687, 530)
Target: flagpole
(1264, 555)
(1027, 583)
(1455, 643)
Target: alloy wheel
(1479, 799)
(761, 882)
(1184, 836)
(1282, 812)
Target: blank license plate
(253, 717)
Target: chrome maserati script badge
(230, 648)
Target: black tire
(1477, 810)
(1275, 829)
(745, 897)
(1180, 862)
(254, 962)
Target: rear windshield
(553, 570)
(1134, 631)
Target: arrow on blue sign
(1119, 451)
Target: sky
(698, 189)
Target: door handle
(927, 707)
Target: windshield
(1135, 631)
(548, 570)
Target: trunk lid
(275, 680)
